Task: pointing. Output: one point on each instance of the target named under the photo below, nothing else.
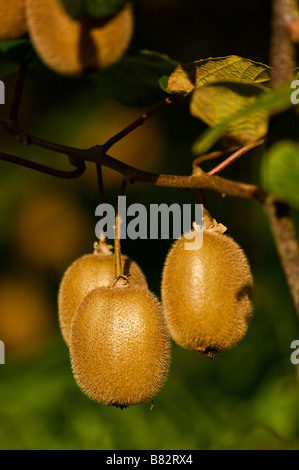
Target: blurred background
(247, 398)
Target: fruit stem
(138, 122)
(117, 245)
(101, 191)
(100, 183)
(18, 92)
(117, 248)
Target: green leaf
(217, 101)
(280, 171)
(163, 82)
(15, 50)
(271, 102)
(135, 80)
(12, 53)
(186, 77)
(93, 8)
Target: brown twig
(283, 51)
(18, 92)
(239, 153)
(96, 154)
(100, 183)
(138, 122)
(79, 167)
(286, 242)
(285, 12)
(209, 156)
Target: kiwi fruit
(12, 19)
(207, 292)
(120, 346)
(87, 273)
(71, 47)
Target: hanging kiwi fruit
(207, 292)
(72, 46)
(119, 346)
(12, 19)
(87, 273)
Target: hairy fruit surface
(120, 347)
(85, 274)
(206, 294)
(71, 47)
(12, 19)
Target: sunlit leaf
(271, 102)
(215, 102)
(280, 171)
(186, 77)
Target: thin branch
(285, 13)
(100, 183)
(96, 154)
(286, 243)
(79, 167)
(283, 53)
(138, 122)
(239, 153)
(209, 156)
(18, 93)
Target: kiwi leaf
(280, 171)
(271, 102)
(135, 80)
(214, 102)
(12, 53)
(186, 77)
(92, 8)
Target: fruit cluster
(115, 329)
(119, 334)
(67, 45)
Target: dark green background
(247, 398)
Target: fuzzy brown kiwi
(69, 46)
(12, 19)
(207, 292)
(120, 346)
(87, 273)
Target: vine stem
(283, 51)
(134, 175)
(18, 92)
(138, 122)
(100, 183)
(284, 235)
(239, 153)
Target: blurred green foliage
(247, 398)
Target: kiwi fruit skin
(207, 294)
(12, 19)
(71, 47)
(84, 275)
(120, 346)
